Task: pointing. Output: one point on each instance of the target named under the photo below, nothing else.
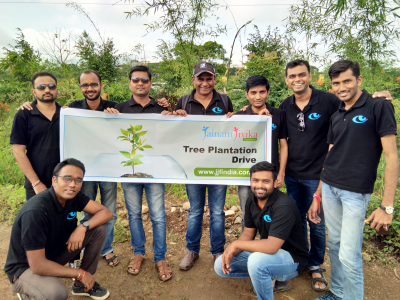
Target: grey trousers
(37, 287)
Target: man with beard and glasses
(35, 135)
(281, 252)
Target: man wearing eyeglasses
(142, 103)
(35, 135)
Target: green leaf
(137, 156)
(130, 131)
(124, 132)
(122, 137)
(148, 146)
(141, 133)
(126, 154)
(129, 163)
(138, 127)
(122, 162)
(141, 149)
(136, 139)
(133, 152)
(137, 162)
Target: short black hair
(68, 162)
(342, 66)
(256, 80)
(297, 62)
(141, 68)
(42, 74)
(264, 166)
(89, 72)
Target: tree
(20, 60)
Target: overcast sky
(40, 16)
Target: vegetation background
(365, 31)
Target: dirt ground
(200, 282)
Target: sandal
(110, 261)
(135, 264)
(163, 269)
(281, 286)
(322, 280)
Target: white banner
(165, 149)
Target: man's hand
(279, 181)
(244, 108)
(227, 257)
(384, 94)
(163, 102)
(265, 112)
(313, 212)
(229, 114)
(76, 239)
(380, 218)
(111, 110)
(39, 188)
(26, 105)
(88, 281)
(180, 112)
(166, 112)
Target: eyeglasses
(69, 179)
(302, 125)
(93, 85)
(137, 79)
(42, 87)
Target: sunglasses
(137, 79)
(302, 125)
(69, 179)
(93, 85)
(42, 87)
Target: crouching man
(281, 253)
(45, 236)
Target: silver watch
(388, 209)
(86, 225)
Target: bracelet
(35, 183)
(80, 277)
(318, 197)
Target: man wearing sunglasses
(142, 103)
(35, 135)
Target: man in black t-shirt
(204, 100)
(281, 252)
(45, 237)
(257, 91)
(358, 132)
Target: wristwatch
(388, 209)
(86, 225)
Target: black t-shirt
(279, 218)
(132, 107)
(352, 162)
(42, 223)
(41, 138)
(82, 104)
(279, 130)
(308, 148)
(215, 108)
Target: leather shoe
(188, 260)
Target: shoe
(96, 292)
(188, 260)
(281, 286)
(328, 296)
(321, 279)
(20, 297)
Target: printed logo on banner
(359, 119)
(71, 215)
(267, 218)
(246, 134)
(314, 116)
(217, 110)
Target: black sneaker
(96, 292)
(328, 296)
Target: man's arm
(283, 157)
(380, 217)
(26, 167)
(100, 214)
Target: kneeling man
(281, 253)
(45, 236)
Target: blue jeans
(345, 215)
(302, 191)
(108, 194)
(261, 268)
(133, 193)
(216, 201)
(244, 192)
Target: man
(257, 91)
(45, 237)
(35, 135)
(358, 132)
(204, 100)
(281, 251)
(140, 102)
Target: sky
(36, 17)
